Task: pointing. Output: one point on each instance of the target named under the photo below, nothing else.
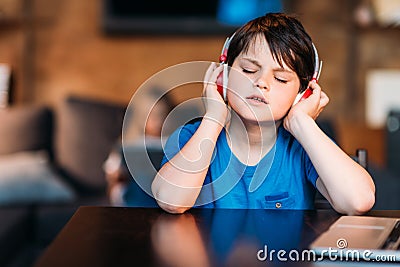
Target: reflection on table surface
(111, 236)
(225, 237)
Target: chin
(279, 114)
(256, 117)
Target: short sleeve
(178, 140)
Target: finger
(209, 71)
(316, 89)
(215, 73)
(212, 79)
(314, 85)
(207, 77)
(315, 97)
(324, 99)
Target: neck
(249, 139)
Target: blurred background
(106, 49)
(96, 53)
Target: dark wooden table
(112, 236)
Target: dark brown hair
(287, 40)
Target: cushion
(25, 128)
(27, 177)
(85, 133)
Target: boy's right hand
(216, 109)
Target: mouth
(257, 99)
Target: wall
(13, 40)
(71, 55)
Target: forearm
(178, 183)
(351, 189)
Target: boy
(266, 139)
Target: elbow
(172, 208)
(357, 205)
(366, 205)
(364, 200)
(363, 204)
(164, 204)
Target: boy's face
(259, 88)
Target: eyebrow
(252, 60)
(257, 63)
(280, 69)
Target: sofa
(51, 162)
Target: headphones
(222, 79)
(317, 72)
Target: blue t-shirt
(284, 178)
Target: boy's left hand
(310, 107)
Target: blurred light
(238, 12)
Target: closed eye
(249, 71)
(280, 80)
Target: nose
(261, 87)
(260, 84)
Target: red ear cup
(306, 94)
(220, 87)
(308, 91)
(222, 60)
